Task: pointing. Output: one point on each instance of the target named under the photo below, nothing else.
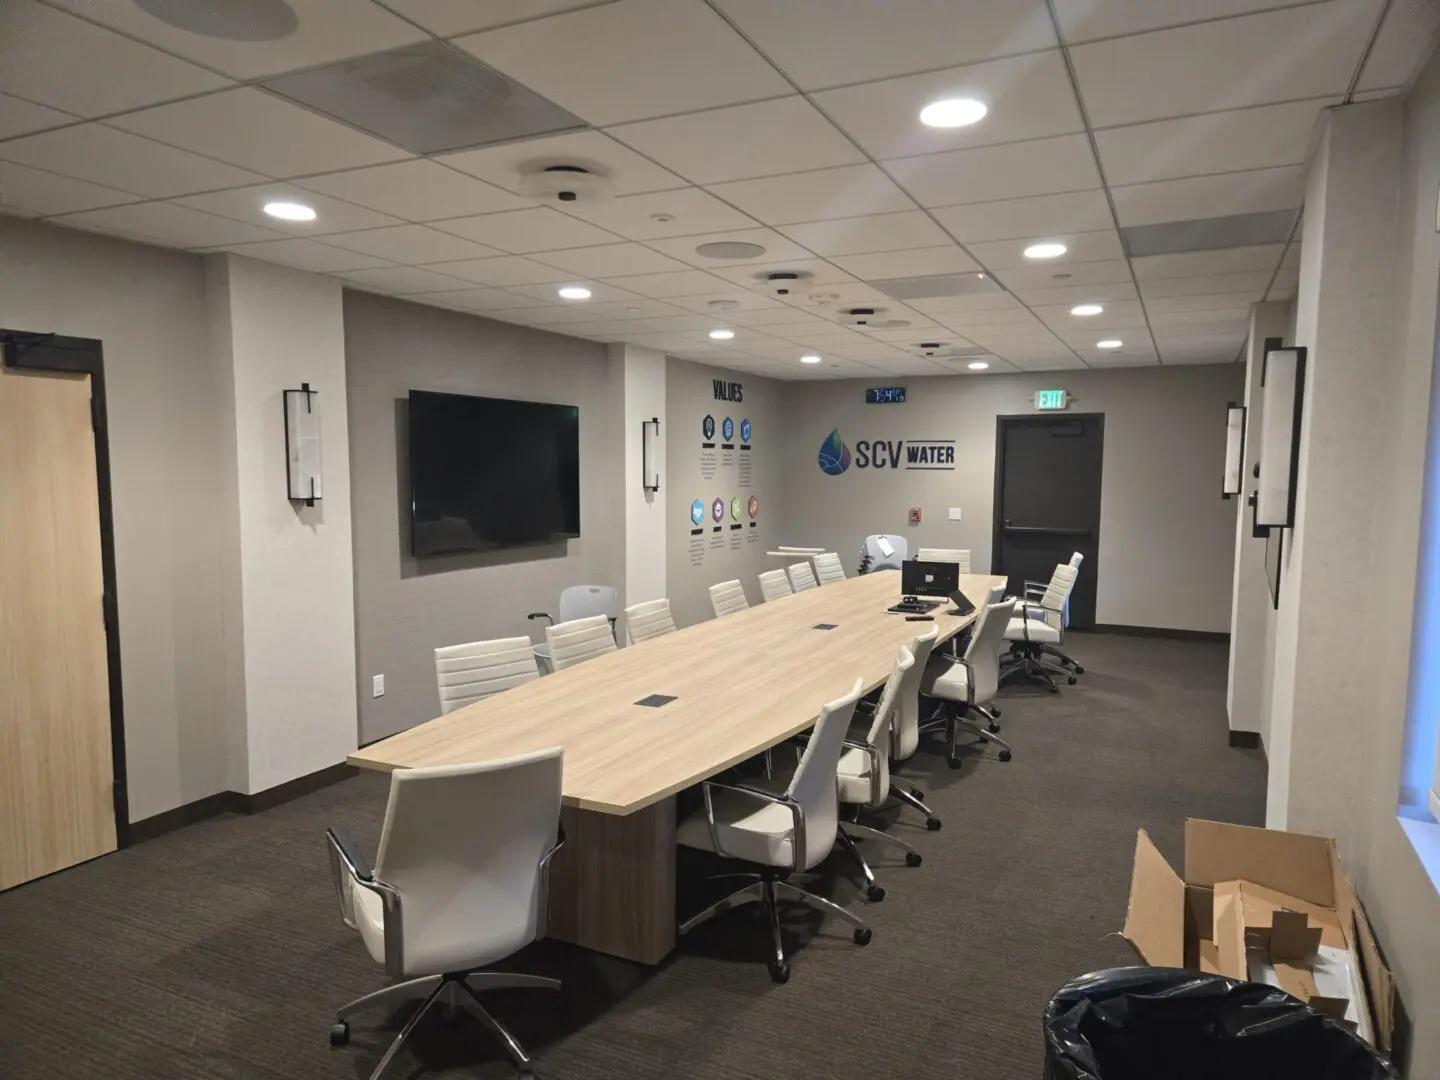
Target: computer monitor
(929, 578)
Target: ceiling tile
(817, 274)
(256, 130)
(672, 324)
(1302, 52)
(863, 235)
(1016, 322)
(168, 224)
(743, 301)
(846, 191)
(502, 165)
(247, 204)
(1081, 211)
(1018, 170)
(611, 260)
(67, 63)
(1029, 97)
(507, 270)
(1101, 360)
(678, 283)
(631, 60)
(635, 307)
(97, 153)
(777, 247)
(1220, 142)
(1117, 314)
(447, 18)
(411, 245)
(833, 296)
(914, 262)
(1405, 40)
(816, 45)
(606, 301)
(1084, 247)
(403, 280)
(1098, 292)
(1292, 255)
(39, 193)
(782, 320)
(1252, 285)
(1287, 276)
(1225, 195)
(1159, 305)
(1086, 20)
(764, 138)
(1231, 320)
(486, 300)
(1079, 274)
(323, 30)
(309, 255)
(520, 232)
(999, 301)
(549, 315)
(1199, 263)
(642, 217)
(19, 117)
(417, 190)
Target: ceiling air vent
(937, 285)
(1208, 234)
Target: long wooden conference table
(739, 684)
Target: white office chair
(828, 568)
(873, 557)
(578, 602)
(779, 830)
(905, 733)
(727, 598)
(965, 686)
(648, 620)
(1055, 652)
(960, 556)
(802, 578)
(575, 642)
(469, 673)
(774, 585)
(459, 883)
(1040, 622)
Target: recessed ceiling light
(1045, 251)
(1086, 309)
(953, 113)
(730, 249)
(1109, 343)
(721, 335)
(290, 211)
(809, 359)
(978, 365)
(574, 292)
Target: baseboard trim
(1245, 740)
(234, 802)
(1162, 632)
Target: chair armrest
(797, 843)
(559, 843)
(353, 859)
(542, 615)
(543, 916)
(873, 753)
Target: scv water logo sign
(834, 454)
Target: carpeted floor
(217, 953)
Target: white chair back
(814, 785)
(462, 846)
(472, 672)
(727, 598)
(905, 718)
(1076, 559)
(960, 556)
(879, 734)
(648, 620)
(774, 584)
(997, 594)
(899, 550)
(983, 652)
(1057, 595)
(828, 568)
(802, 578)
(579, 640)
(583, 601)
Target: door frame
(995, 501)
(26, 351)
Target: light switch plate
(954, 513)
(377, 686)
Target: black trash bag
(1143, 1023)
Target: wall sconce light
(649, 451)
(1234, 449)
(302, 444)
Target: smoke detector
(860, 316)
(568, 185)
(782, 283)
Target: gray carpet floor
(217, 952)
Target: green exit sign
(1051, 399)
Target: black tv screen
(489, 473)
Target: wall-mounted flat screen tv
(491, 473)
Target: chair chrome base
(1025, 663)
(762, 889)
(953, 716)
(912, 798)
(1070, 666)
(445, 988)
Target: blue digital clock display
(885, 395)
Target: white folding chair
(774, 585)
(472, 672)
(648, 620)
(727, 598)
(828, 568)
(579, 640)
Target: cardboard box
(1171, 921)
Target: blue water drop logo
(834, 454)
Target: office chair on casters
(575, 642)
(1055, 652)
(905, 731)
(774, 585)
(959, 556)
(779, 831)
(459, 883)
(650, 619)
(727, 598)
(1038, 623)
(965, 686)
(802, 578)
(828, 568)
(472, 672)
(578, 602)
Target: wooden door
(56, 773)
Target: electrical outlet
(377, 686)
(954, 513)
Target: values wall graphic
(745, 430)
(726, 462)
(717, 509)
(707, 428)
(834, 454)
(735, 508)
(697, 512)
(727, 429)
(754, 507)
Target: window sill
(1423, 832)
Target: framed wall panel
(1279, 449)
(1234, 450)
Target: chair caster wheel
(1079, 670)
(1073, 680)
(954, 763)
(1054, 689)
(995, 712)
(1004, 755)
(862, 935)
(780, 973)
(933, 824)
(916, 793)
(993, 728)
(340, 1033)
(875, 893)
(914, 858)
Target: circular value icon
(754, 506)
(707, 426)
(745, 430)
(697, 511)
(728, 428)
(735, 508)
(717, 508)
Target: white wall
(641, 375)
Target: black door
(1047, 502)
